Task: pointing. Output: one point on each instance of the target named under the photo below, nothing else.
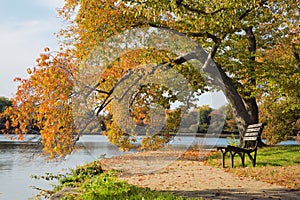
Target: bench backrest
(252, 134)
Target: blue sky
(26, 27)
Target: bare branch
(102, 91)
(92, 89)
(108, 99)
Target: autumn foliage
(42, 101)
(255, 45)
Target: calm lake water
(19, 161)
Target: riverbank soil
(177, 172)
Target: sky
(26, 27)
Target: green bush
(80, 174)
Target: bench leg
(232, 158)
(242, 155)
(223, 158)
(253, 159)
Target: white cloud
(20, 45)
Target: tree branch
(192, 34)
(107, 100)
(205, 34)
(251, 40)
(245, 13)
(296, 56)
(195, 10)
(95, 89)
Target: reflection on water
(18, 161)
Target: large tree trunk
(245, 110)
(219, 78)
(251, 104)
(225, 83)
(252, 109)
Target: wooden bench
(250, 142)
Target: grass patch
(267, 156)
(277, 165)
(279, 156)
(94, 184)
(107, 186)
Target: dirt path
(164, 170)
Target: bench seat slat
(250, 138)
(255, 125)
(253, 129)
(251, 134)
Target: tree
(42, 102)
(230, 123)
(280, 107)
(281, 115)
(204, 118)
(237, 34)
(206, 113)
(4, 103)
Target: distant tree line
(4, 103)
(210, 120)
(280, 124)
(4, 125)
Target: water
(19, 161)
